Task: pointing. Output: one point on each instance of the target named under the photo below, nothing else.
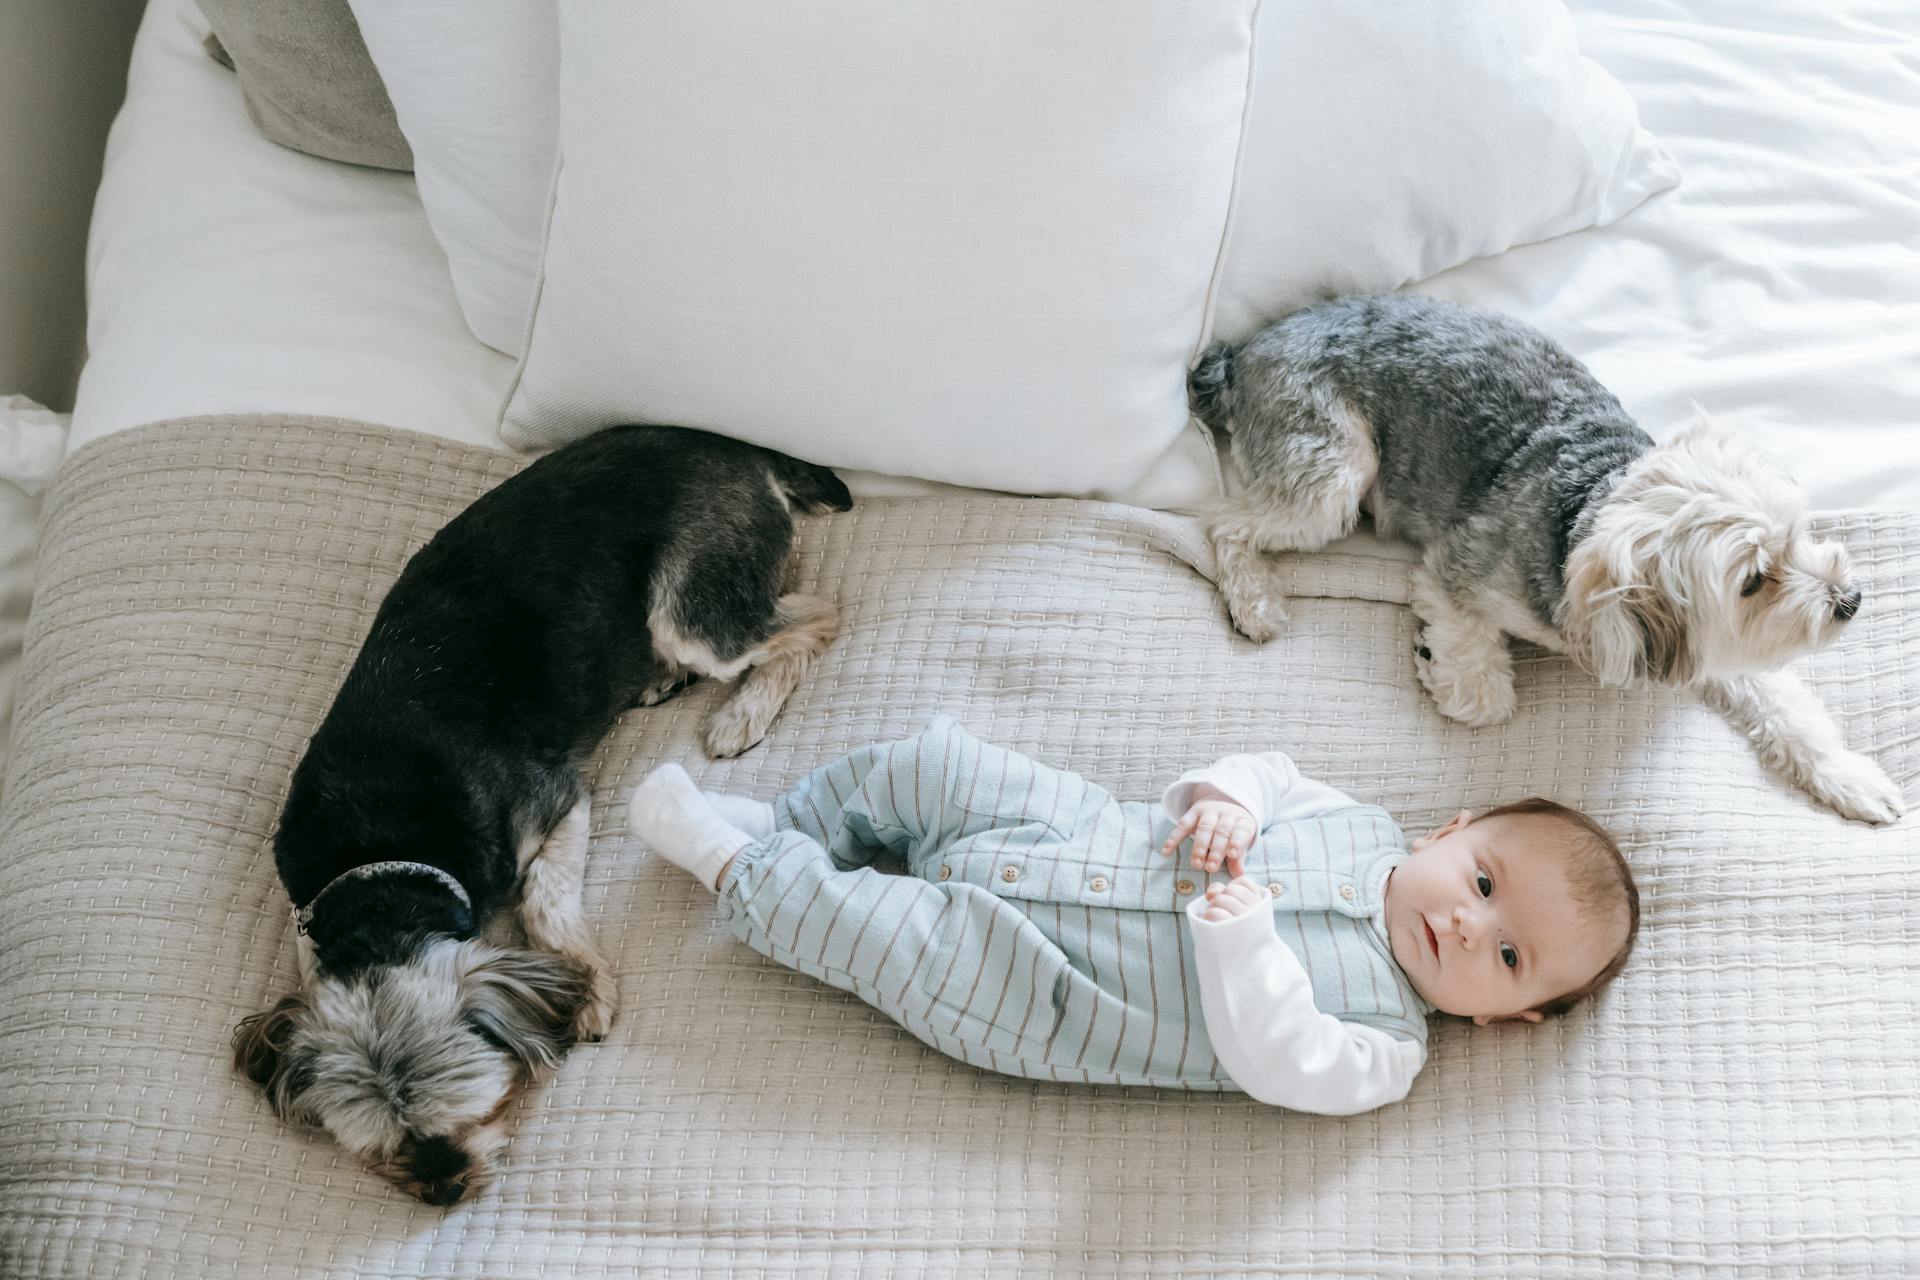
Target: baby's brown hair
(1601, 880)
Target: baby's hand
(1235, 898)
(1221, 831)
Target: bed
(281, 401)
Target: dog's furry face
(1699, 565)
(411, 1068)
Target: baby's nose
(1470, 923)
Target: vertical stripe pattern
(1037, 930)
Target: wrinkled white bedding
(1779, 286)
(31, 442)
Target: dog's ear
(1665, 654)
(261, 1050)
(524, 1002)
(1618, 623)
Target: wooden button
(1346, 891)
(1184, 887)
(945, 872)
(1276, 888)
(1099, 884)
(1010, 874)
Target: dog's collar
(303, 916)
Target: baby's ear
(1525, 1015)
(1459, 820)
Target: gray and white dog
(1542, 512)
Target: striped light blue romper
(1039, 931)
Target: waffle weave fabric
(1743, 1103)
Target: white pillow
(1385, 141)
(966, 242)
(1392, 139)
(475, 85)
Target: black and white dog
(1543, 512)
(443, 789)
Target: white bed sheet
(1779, 287)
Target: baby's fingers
(1239, 840)
(1203, 837)
(1243, 890)
(1181, 831)
(1227, 846)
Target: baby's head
(1519, 913)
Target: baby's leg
(913, 797)
(963, 970)
(897, 942)
(859, 930)
(887, 796)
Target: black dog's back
(514, 638)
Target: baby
(1043, 928)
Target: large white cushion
(961, 241)
(1384, 142)
(1393, 139)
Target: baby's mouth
(1433, 939)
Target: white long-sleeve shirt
(1256, 996)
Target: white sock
(674, 818)
(755, 817)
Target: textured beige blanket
(1743, 1103)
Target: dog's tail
(811, 488)
(1209, 383)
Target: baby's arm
(1263, 1024)
(1268, 786)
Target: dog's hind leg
(1461, 657)
(1305, 474)
(721, 610)
(808, 626)
(552, 916)
(1248, 580)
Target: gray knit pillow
(307, 79)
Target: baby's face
(1486, 931)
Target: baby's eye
(1485, 882)
(1508, 956)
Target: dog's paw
(734, 728)
(595, 1017)
(1476, 698)
(1855, 787)
(1256, 606)
(665, 687)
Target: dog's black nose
(1846, 606)
(436, 1168)
(442, 1194)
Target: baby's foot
(755, 817)
(678, 823)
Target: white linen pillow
(966, 242)
(475, 86)
(1384, 142)
(1391, 140)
